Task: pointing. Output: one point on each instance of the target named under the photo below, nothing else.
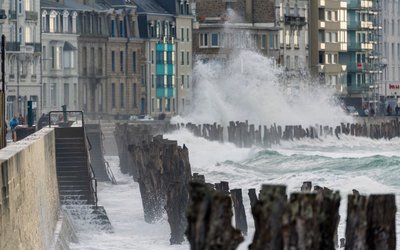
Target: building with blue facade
(363, 57)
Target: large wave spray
(249, 87)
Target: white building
(23, 57)
(390, 87)
(59, 57)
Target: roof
(149, 7)
(71, 5)
(69, 47)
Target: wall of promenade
(29, 202)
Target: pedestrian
(397, 109)
(13, 125)
(372, 112)
(21, 120)
(389, 110)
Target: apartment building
(228, 25)
(166, 27)
(390, 61)
(327, 42)
(124, 92)
(292, 21)
(59, 55)
(20, 23)
(362, 58)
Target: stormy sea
(249, 87)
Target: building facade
(166, 28)
(20, 24)
(327, 41)
(292, 21)
(363, 57)
(226, 26)
(390, 87)
(59, 56)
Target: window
(204, 40)
(182, 81)
(121, 29)
(187, 35)
(296, 39)
(121, 97)
(121, 61)
(113, 95)
(188, 58)
(44, 57)
(263, 41)
(182, 58)
(53, 57)
(28, 34)
(19, 6)
(112, 28)
(100, 59)
(159, 104)
(44, 94)
(214, 40)
(113, 61)
(182, 34)
(152, 57)
(134, 96)
(53, 94)
(134, 62)
(187, 81)
(66, 94)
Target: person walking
(13, 125)
(21, 120)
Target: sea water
(248, 88)
(369, 166)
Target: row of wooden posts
(307, 220)
(243, 134)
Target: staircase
(74, 177)
(76, 180)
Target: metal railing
(57, 121)
(108, 168)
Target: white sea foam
(249, 87)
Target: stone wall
(29, 202)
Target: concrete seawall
(30, 213)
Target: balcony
(3, 14)
(31, 15)
(165, 92)
(295, 20)
(12, 14)
(13, 46)
(357, 89)
(36, 47)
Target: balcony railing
(31, 15)
(36, 46)
(13, 46)
(295, 20)
(3, 14)
(12, 14)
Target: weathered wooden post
(209, 220)
(223, 186)
(268, 214)
(240, 214)
(381, 219)
(253, 197)
(306, 187)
